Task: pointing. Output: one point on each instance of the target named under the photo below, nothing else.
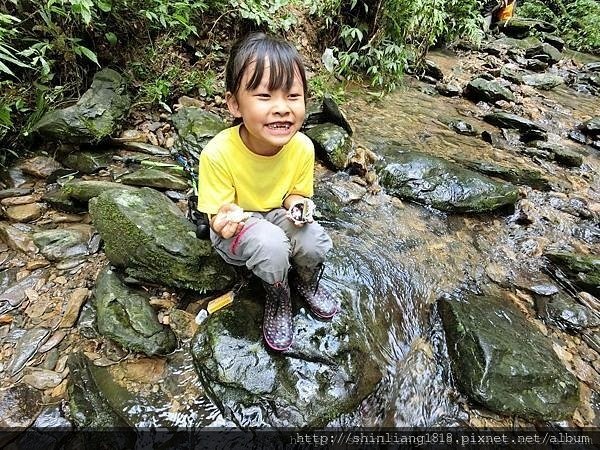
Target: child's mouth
(279, 126)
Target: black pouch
(198, 218)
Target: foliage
(382, 38)
(578, 20)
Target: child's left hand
(301, 212)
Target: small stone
(25, 213)
(15, 201)
(40, 166)
(76, 301)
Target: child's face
(270, 117)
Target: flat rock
(19, 406)
(25, 213)
(40, 166)
(62, 243)
(17, 239)
(156, 178)
(480, 89)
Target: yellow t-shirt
(231, 173)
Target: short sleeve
(303, 184)
(215, 186)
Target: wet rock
(125, 316)
(555, 41)
(502, 362)
(182, 323)
(156, 178)
(95, 116)
(332, 144)
(584, 270)
(17, 239)
(83, 191)
(512, 73)
(521, 27)
(464, 128)
(327, 111)
(507, 120)
(543, 81)
(592, 66)
(150, 238)
(195, 128)
(19, 406)
(577, 136)
(444, 185)
(42, 378)
(561, 154)
(88, 406)
(87, 162)
(562, 311)
(489, 91)
(74, 305)
(61, 201)
(449, 89)
(25, 213)
(344, 189)
(544, 52)
(432, 70)
(15, 192)
(15, 294)
(26, 348)
(591, 127)
(40, 166)
(62, 243)
(327, 372)
(536, 65)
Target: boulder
(490, 91)
(543, 81)
(444, 185)
(327, 111)
(327, 372)
(195, 127)
(84, 190)
(96, 115)
(562, 311)
(584, 270)
(501, 361)
(521, 27)
(544, 52)
(591, 127)
(147, 236)
(507, 120)
(332, 144)
(562, 155)
(125, 316)
(87, 162)
(516, 175)
(160, 178)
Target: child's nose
(281, 106)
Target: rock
(15, 201)
(182, 323)
(156, 178)
(327, 111)
(562, 155)
(15, 294)
(61, 201)
(444, 185)
(40, 166)
(565, 313)
(149, 149)
(591, 127)
(83, 191)
(512, 73)
(17, 239)
(125, 316)
(592, 67)
(520, 27)
(543, 81)
(507, 120)
(327, 372)
(449, 89)
(577, 136)
(62, 243)
(42, 378)
(584, 270)
(87, 162)
(529, 177)
(432, 70)
(19, 406)
(464, 128)
(95, 116)
(149, 237)
(25, 213)
(555, 41)
(488, 91)
(544, 52)
(74, 305)
(332, 144)
(88, 407)
(195, 127)
(15, 192)
(502, 362)
(26, 348)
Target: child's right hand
(224, 223)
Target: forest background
(50, 50)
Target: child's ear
(232, 104)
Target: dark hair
(284, 61)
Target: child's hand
(301, 212)
(229, 221)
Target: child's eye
(263, 95)
(294, 96)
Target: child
(265, 166)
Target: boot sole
(273, 347)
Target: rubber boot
(277, 320)
(306, 282)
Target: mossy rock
(501, 361)
(516, 175)
(195, 128)
(95, 116)
(156, 178)
(125, 316)
(84, 190)
(332, 144)
(444, 185)
(87, 162)
(147, 236)
(584, 270)
(327, 372)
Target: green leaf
(5, 69)
(111, 38)
(87, 53)
(104, 5)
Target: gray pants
(269, 240)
